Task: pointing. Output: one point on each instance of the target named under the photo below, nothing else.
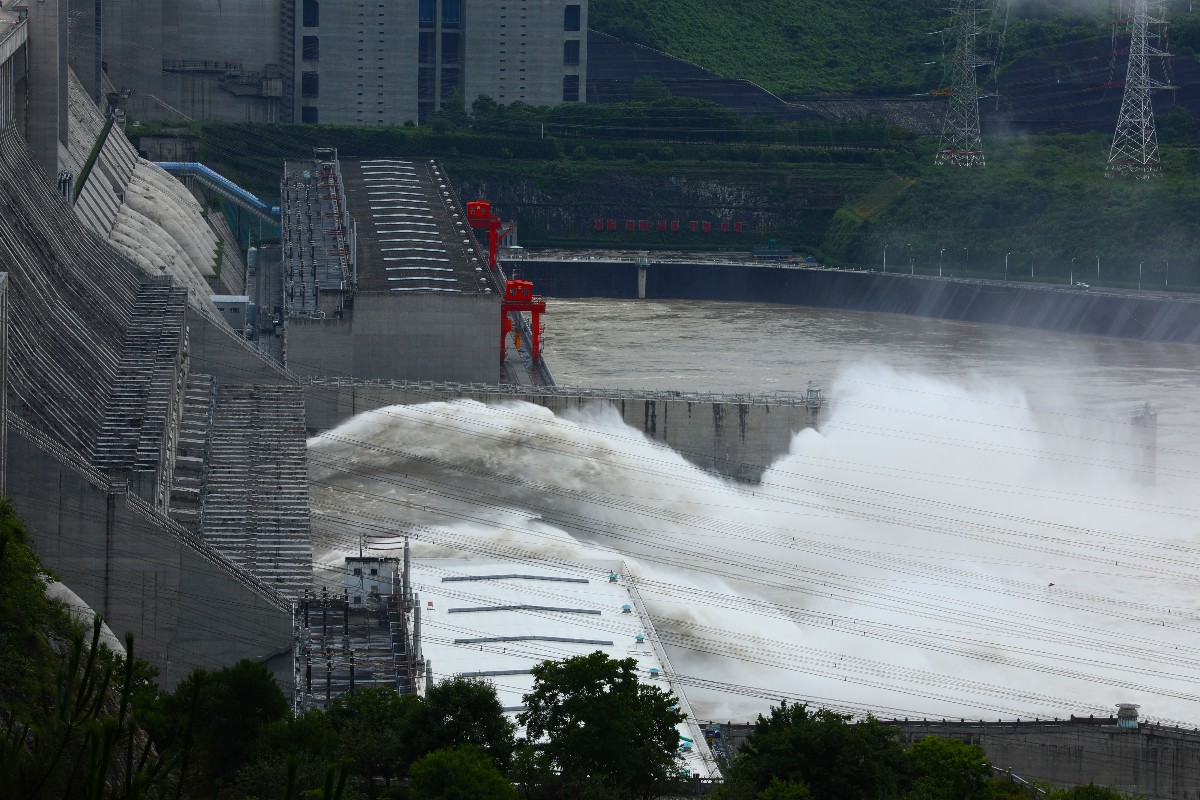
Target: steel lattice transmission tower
(961, 143)
(1135, 143)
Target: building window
(312, 14)
(426, 12)
(570, 88)
(571, 53)
(450, 47)
(426, 42)
(311, 48)
(451, 13)
(374, 571)
(357, 571)
(571, 18)
(358, 599)
(310, 84)
(308, 115)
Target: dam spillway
(737, 436)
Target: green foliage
(785, 790)
(648, 90)
(86, 170)
(1046, 201)
(374, 730)
(462, 773)
(233, 706)
(948, 769)
(823, 750)
(458, 712)
(28, 617)
(81, 742)
(592, 721)
(1176, 127)
(832, 46)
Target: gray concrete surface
(47, 123)
(414, 337)
(185, 605)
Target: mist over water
(943, 546)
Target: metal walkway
(224, 187)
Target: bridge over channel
(737, 436)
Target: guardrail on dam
(1098, 312)
(737, 436)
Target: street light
(1097, 269)
(1140, 265)
(1006, 255)
(1072, 278)
(911, 269)
(966, 259)
(885, 247)
(940, 254)
(1167, 274)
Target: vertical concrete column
(46, 126)
(641, 282)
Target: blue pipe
(222, 186)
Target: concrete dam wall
(165, 499)
(1064, 309)
(734, 436)
(1154, 761)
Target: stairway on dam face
(255, 497)
(191, 450)
(141, 418)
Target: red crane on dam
(480, 216)
(518, 295)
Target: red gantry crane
(518, 295)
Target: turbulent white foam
(936, 549)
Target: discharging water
(971, 533)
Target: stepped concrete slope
(114, 380)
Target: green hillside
(805, 47)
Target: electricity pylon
(961, 144)
(1135, 144)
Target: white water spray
(937, 549)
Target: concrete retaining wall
(1153, 761)
(402, 337)
(185, 605)
(1159, 763)
(1065, 309)
(735, 439)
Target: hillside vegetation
(806, 47)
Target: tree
(462, 773)
(825, 751)
(374, 731)
(948, 769)
(785, 790)
(460, 711)
(234, 704)
(592, 720)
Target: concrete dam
(737, 436)
(1054, 308)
